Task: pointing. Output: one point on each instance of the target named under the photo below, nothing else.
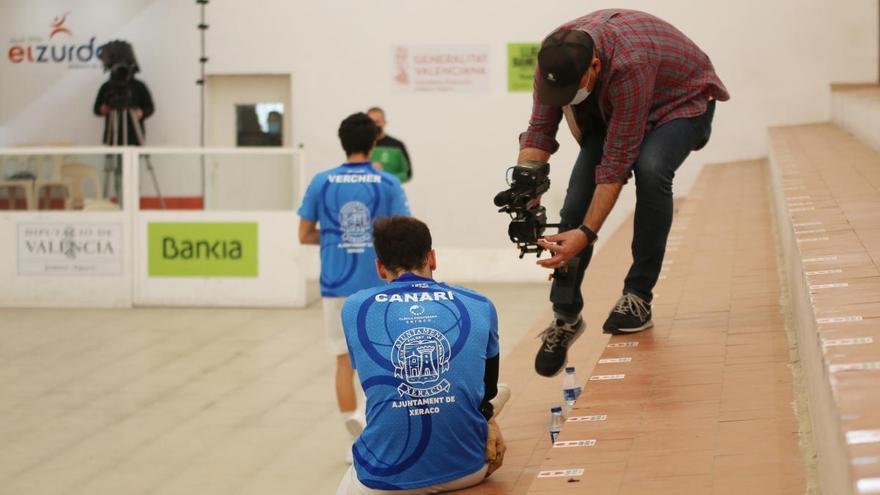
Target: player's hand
(495, 448)
(138, 113)
(104, 109)
(378, 166)
(564, 247)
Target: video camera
(118, 57)
(527, 181)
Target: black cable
(203, 59)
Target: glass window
(243, 180)
(259, 124)
(63, 181)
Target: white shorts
(332, 307)
(350, 485)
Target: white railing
(107, 255)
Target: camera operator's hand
(564, 246)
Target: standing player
(390, 153)
(427, 357)
(344, 201)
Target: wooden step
(706, 401)
(826, 186)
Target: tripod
(117, 127)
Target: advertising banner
(57, 43)
(202, 249)
(444, 68)
(521, 61)
(69, 248)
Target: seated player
(344, 201)
(427, 357)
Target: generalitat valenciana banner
(441, 68)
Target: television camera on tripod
(124, 102)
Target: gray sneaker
(557, 338)
(631, 314)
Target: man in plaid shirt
(639, 96)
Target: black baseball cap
(564, 57)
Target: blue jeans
(662, 151)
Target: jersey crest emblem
(354, 220)
(421, 357)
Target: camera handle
(525, 249)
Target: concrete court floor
(180, 400)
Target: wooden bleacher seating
(705, 404)
(827, 188)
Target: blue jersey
(420, 349)
(345, 201)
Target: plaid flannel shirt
(651, 73)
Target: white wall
(856, 40)
(776, 58)
(43, 103)
(858, 112)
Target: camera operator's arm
(533, 154)
(144, 99)
(309, 232)
(568, 244)
(101, 108)
(603, 201)
(538, 142)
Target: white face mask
(580, 96)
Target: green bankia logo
(202, 249)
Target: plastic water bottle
(570, 389)
(555, 423)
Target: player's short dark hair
(402, 243)
(358, 133)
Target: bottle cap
(570, 369)
(556, 409)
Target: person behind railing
(134, 96)
(274, 126)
